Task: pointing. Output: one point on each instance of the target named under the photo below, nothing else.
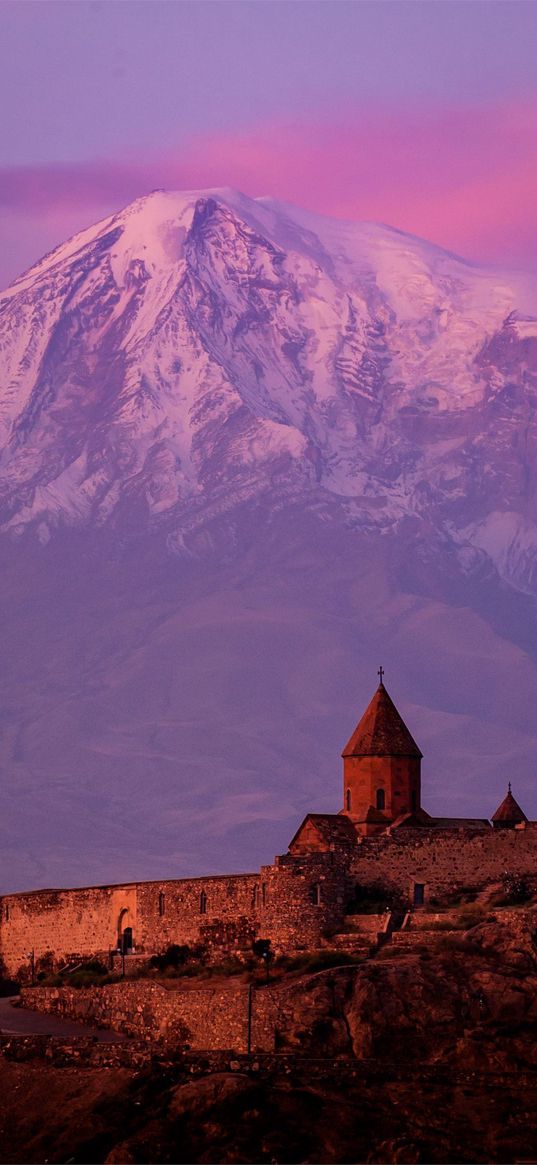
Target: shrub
(450, 944)
(52, 981)
(90, 974)
(178, 960)
(226, 968)
(262, 949)
(93, 967)
(84, 978)
(461, 896)
(174, 956)
(514, 891)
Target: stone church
(381, 843)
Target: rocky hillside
(413, 1058)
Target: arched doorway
(125, 940)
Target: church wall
(292, 903)
(68, 923)
(296, 902)
(222, 912)
(444, 860)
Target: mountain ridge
(297, 331)
(241, 461)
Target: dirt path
(19, 1021)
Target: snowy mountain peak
(266, 449)
(204, 345)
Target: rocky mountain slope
(197, 350)
(245, 453)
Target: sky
(419, 114)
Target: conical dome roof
(381, 731)
(509, 812)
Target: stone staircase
(355, 945)
(362, 935)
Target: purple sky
(420, 114)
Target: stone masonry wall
(212, 1018)
(306, 898)
(444, 861)
(67, 924)
(292, 903)
(236, 1017)
(222, 913)
(295, 903)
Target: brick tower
(381, 768)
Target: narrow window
(161, 904)
(203, 902)
(348, 800)
(255, 897)
(264, 893)
(419, 893)
(381, 800)
(414, 802)
(316, 894)
(7, 913)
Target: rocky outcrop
(460, 999)
(413, 1058)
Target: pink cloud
(465, 178)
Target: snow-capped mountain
(248, 453)
(198, 349)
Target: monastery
(382, 845)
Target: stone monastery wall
(224, 913)
(295, 902)
(63, 924)
(444, 860)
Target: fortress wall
(280, 904)
(445, 861)
(171, 912)
(68, 923)
(86, 922)
(292, 903)
(306, 897)
(295, 903)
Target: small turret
(509, 813)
